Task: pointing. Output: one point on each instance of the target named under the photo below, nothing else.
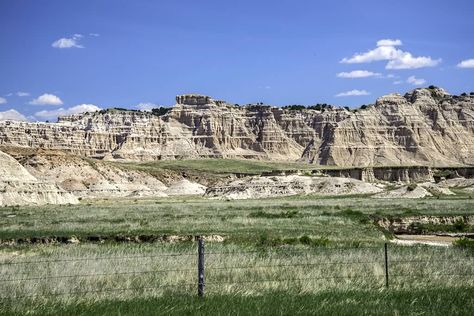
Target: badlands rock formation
(95, 179)
(423, 127)
(19, 187)
(264, 187)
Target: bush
(320, 106)
(432, 87)
(464, 243)
(460, 225)
(305, 240)
(294, 107)
(160, 111)
(464, 94)
(363, 107)
(412, 186)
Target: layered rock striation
(19, 187)
(423, 127)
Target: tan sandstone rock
(423, 127)
(19, 187)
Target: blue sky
(67, 56)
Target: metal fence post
(200, 267)
(386, 265)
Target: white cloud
(397, 58)
(416, 81)
(358, 74)
(3, 100)
(389, 42)
(22, 94)
(94, 34)
(9, 94)
(68, 42)
(406, 61)
(468, 63)
(354, 92)
(147, 106)
(398, 82)
(12, 115)
(81, 108)
(391, 76)
(46, 99)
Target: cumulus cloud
(47, 99)
(94, 34)
(358, 74)
(398, 82)
(397, 58)
(81, 108)
(22, 94)
(416, 81)
(468, 63)
(3, 100)
(147, 106)
(12, 115)
(71, 42)
(354, 92)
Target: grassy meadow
(289, 255)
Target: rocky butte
(423, 127)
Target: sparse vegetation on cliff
(160, 111)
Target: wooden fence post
(200, 267)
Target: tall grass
(338, 219)
(324, 253)
(429, 301)
(91, 273)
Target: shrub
(294, 107)
(464, 243)
(363, 107)
(305, 240)
(460, 225)
(160, 111)
(412, 186)
(320, 106)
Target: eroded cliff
(423, 127)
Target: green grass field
(291, 255)
(220, 166)
(432, 301)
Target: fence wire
(250, 274)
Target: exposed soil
(432, 240)
(103, 239)
(417, 225)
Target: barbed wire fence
(203, 271)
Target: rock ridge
(424, 127)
